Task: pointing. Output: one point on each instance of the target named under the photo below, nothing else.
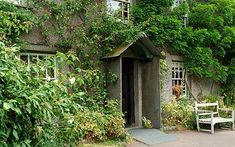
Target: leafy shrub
(212, 99)
(53, 113)
(179, 114)
(14, 21)
(115, 122)
(146, 123)
(91, 124)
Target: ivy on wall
(14, 21)
(205, 43)
(59, 113)
(74, 107)
(83, 26)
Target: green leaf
(17, 110)
(15, 134)
(81, 93)
(7, 106)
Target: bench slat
(207, 104)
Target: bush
(146, 123)
(115, 123)
(95, 125)
(212, 99)
(178, 114)
(35, 112)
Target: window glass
(48, 71)
(119, 8)
(176, 3)
(178, 78)
(114, 5)
(24, 58)
(17, 2)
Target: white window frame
(37, 55)
(178, 76)
(121, 9)
(185, 20)
(185, 16)
(17, 2)
(178, 2)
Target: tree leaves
(7, 106)
(14, 21)
(206, 43)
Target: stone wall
(200, 87)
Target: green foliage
(203, 42)
(115, 125)
(74, 107)
(163, 72)
(178, 114)
(84, 27)
(146, 123)
(14, 21)
(26, 101)
(162, 29)
(51, 113)
(207, 43)
(93, 125)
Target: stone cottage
(137, 66)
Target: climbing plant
(85, 27)
(34, 112)
(14, 21)
(207, 43)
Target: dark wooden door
(128, 91)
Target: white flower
(72, 80)
(71, 120)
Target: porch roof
(144, 45)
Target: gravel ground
(221, 138)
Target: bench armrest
(228, 110)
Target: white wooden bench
(211, 117)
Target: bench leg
(198, 127)
(212, 129)
(233, 125)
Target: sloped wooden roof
(144, 42)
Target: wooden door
(128, 91)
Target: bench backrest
(201, 105)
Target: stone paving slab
(221, 138)
(150, 136)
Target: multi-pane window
(178, 77)
(16, 2)
(119, 8)
(178, 2)
(49, 70)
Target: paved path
(221, 138)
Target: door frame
(137, 73)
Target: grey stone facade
(199, 87)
